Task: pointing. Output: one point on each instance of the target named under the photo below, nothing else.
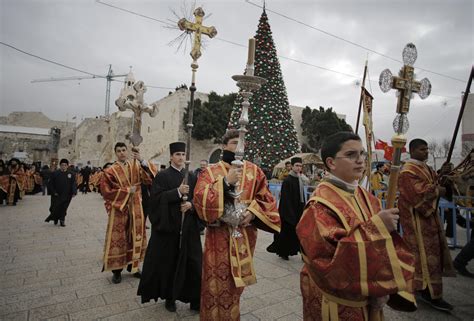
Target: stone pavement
(53, 273)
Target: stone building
(168, 126)
(94, 138)
(33, 137)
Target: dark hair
(106, 165)
(204, 160)
(288, 162)
(119, 144)
(64, 161)
(417, 142)
(14, 160)
(230, 134)
(333, 143)
(379, 165)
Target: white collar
(179, 170)
(350, 186)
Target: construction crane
(110, 77)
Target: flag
(388, 150)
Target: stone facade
(26, 143)
(30, 133)
(94, 138)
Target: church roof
(24, 130)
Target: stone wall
(36, 146)
(168, 127)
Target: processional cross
(198, 29)
(406, 85)
(131, 97)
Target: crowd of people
(355, 261)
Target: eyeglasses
(355, 156)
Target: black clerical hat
(177, 147)
(295, 160)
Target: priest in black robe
(291, 208)
(62, 185)
(172, 266)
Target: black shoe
(440, 304)
(271, 248)
(462, 269)
(117, 278)
(195, 306)
(137, 275)
(285, 257)
(62, 223)
(48, 219)
(170, 305)
(55, 222)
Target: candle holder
(248, 83)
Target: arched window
(99, 138)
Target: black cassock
(62, 186)
(171, 272)
(290, 209)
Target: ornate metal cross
(131, 97)
(406, 85)
(198, 29)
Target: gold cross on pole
(406, 85)
(405, 82)
(198, 29)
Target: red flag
(380, 144)
(388, 150)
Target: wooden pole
(361, 97)
(461, 112)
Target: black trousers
(467, 252)
(58, 208)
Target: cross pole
(131, 97)
(406, 85)
(198, 29)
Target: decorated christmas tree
(271, 133)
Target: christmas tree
(271, 133)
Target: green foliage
(271, 133)
(318, 124)
(210, 118)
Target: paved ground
(53, 273)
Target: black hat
(295, 160)
(65, 161)
(177, 147)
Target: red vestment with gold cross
(350, 257)
(422, 229)
(228, 260)
(125, 241)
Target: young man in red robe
(228, 259)
(354, 260)
(422, 230)
(125, 241)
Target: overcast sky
(89, 36)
